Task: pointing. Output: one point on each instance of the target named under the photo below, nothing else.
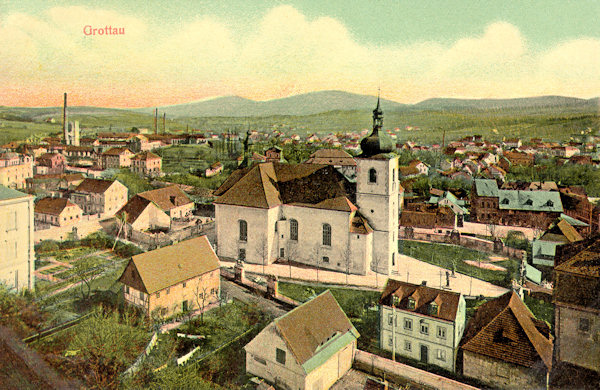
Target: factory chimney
(65, 115)
(156, 121)
(164, 122)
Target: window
(424, 328)
(141, 295)
(441, 355)
(168, 291)
(372, 175)
(393, 258)
(280, 356)
(325, 259)
(126, 289)
(411, 304)
(282, 252)
(441, 332)
(584, 325)
(407, 324)
(243, 230)
(242, 254)
(390, 319)
(184, 284)
(390, 341)
(327, 234)
(260, 360)
(433, 309)
(395, 300)
(293, 230)
(407, 345)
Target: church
(313, 214)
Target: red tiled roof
(167, 198)
(505, 329)
(146, 156)
(94, 185)
(53, 206)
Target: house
(506, 347)
(310, 347)
(313, 214)
(422, 167)
(50, 163)
(56, 212)
(146, 164)
(511, 143)
(563, 231)
(577, 305)
(143, 214)
(15, 169)
(16, 239)
(116, 158)
(214, 169)
(274, 154)
(339, 159)
(172, 200)
(509, 159)
(535, 209)
(96, 196)
(173, 279)
(421, 322)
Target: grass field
(449, 256)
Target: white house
(311, 213)
(421, 323)
(310, 347)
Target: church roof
(377, 143)
(271, 184)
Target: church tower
(377, 193)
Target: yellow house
(310, 347)
(57, 212)
(173, 279)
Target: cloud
(285, 53)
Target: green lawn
(449, 256)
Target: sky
(182, 51)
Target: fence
(160, 239)
(136, 366)
(379, 366)
(447, 237)
(55, 329)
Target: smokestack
(65, 114)
(156, 121)
(164, 122)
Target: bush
(47, 246)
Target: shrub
(46, 246)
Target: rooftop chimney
(424, 283)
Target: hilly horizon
(309, 104)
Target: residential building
(274, 154)
(563, 231)
(448, 199)
(146, 164)
(96, 196)
(310, 347)
(307, 212)
(173, 279)
(53, 185)
(56, 212)
(577, 304)
(342, 161)
(506, 347)
(16, 239)
(214, 169)
(535, 209)
(116, 158)
(15, 169)
(172, 200)
(50, 163)
(143, 214)
(421, 322)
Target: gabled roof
(134, 208)
(530, 200)
(116, 152)
(310, 326)
(447, 301)
(53, 206)
(486, 187)
(585, 262)
(270, 184)
(360, 225)
(146, 156)
(505, 329)
(97, 186)
(167, 198)
(161, 268)
(331, 157)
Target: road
(231, 290)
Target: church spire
(377, 116)
(377, 142)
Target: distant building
(342, 161)
(50, 164)
(96, 196)
(310, 347)
(16, 239)
(15, 169)
(173, 279)
(563, 231)
(172, 200)
(143, 214)
(274, 154)
(577, 304)
(146, 164)
(421, 323)
(214, 169)
(116, 158)
(57, 212)
(506, 347)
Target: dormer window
(529, 202)
(549, 203)
(411, 304)
(395, 300)
(433, 309)
(505, 201)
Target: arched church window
(372, 175)
(243, 230)
(327, 234)
(293, 230)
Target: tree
(201, 295)
(292, 254)
(262, 250)
(347, 258)
(86, 272)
